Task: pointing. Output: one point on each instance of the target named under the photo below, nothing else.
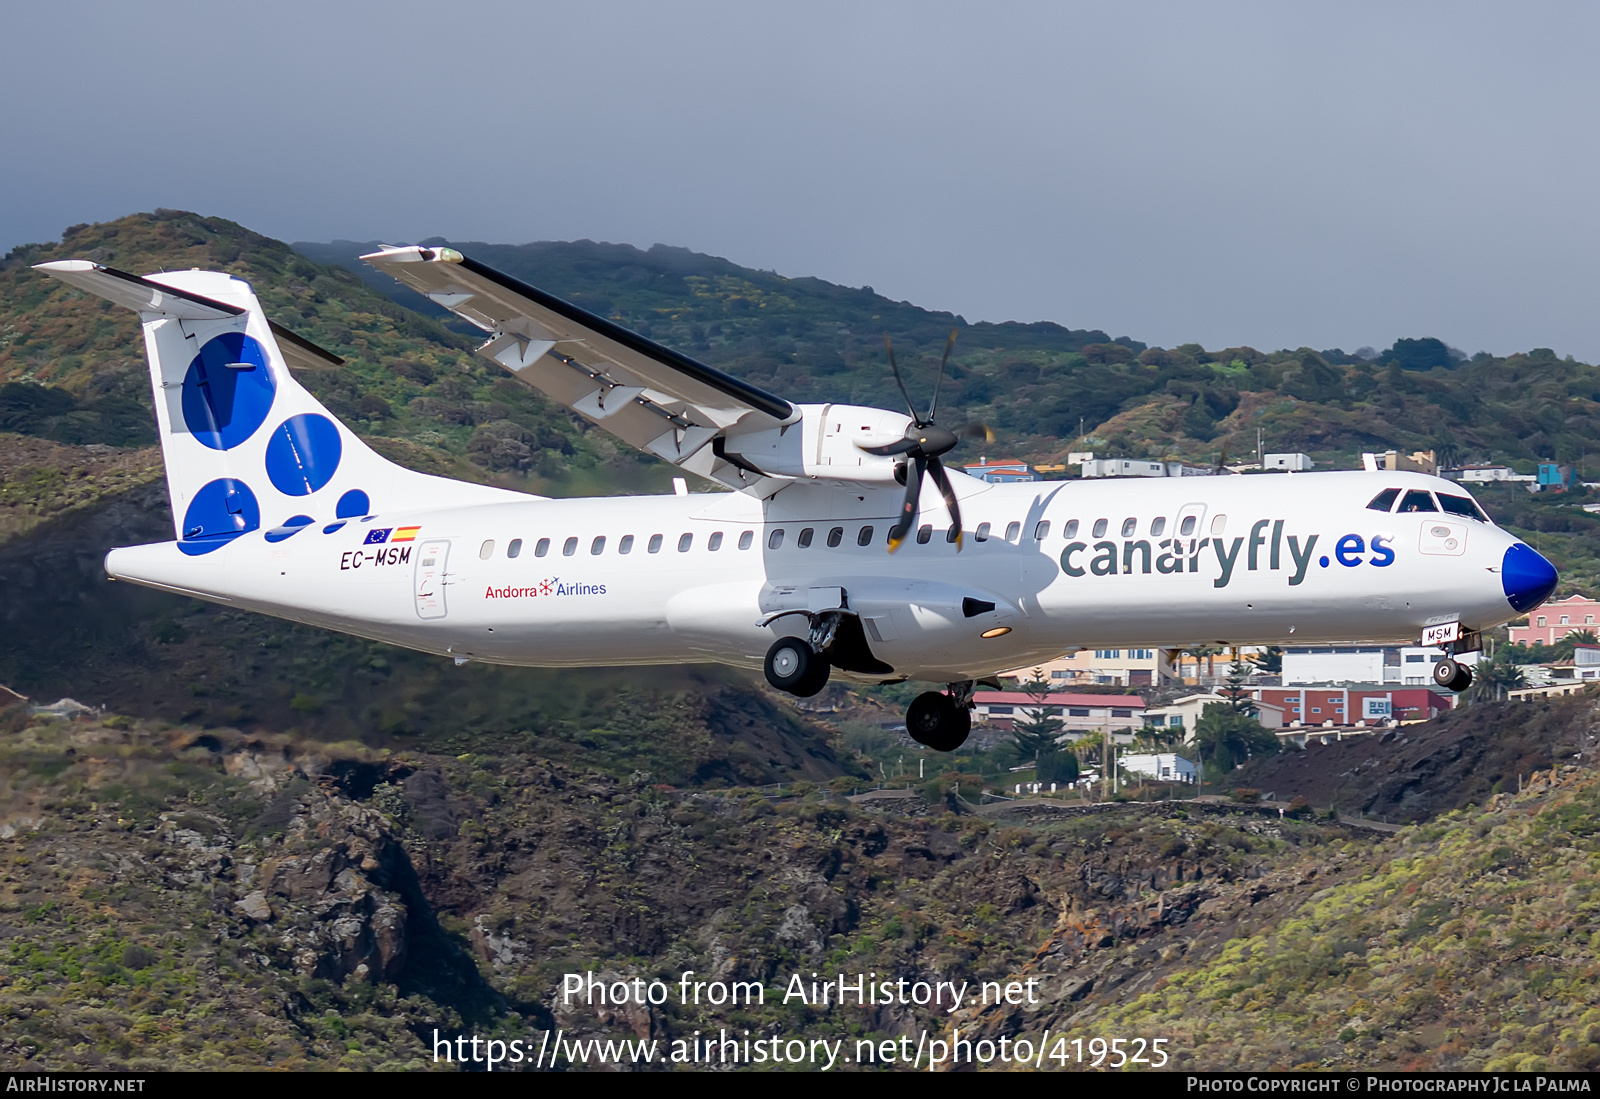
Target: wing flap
(645, 393)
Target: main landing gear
(942, 721)
(1452, 675)
(794, 666)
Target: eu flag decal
(374, 537)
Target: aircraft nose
(1526, 577)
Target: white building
(1185, 713)
(1486, 474)
(1294, 462)
(1123, 467)
(1163, 768)
(1409, 666)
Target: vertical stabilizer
(246, 446)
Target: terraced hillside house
(1122, 667)
(1079, 713)
(1185, 713)
(1557, 618)
(1348, 705)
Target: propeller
(923, 443)
(1221, 468)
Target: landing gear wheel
(1452, 675)
(936, 722)
(792, 665)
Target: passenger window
(654, 545)
(775, 539)
(747, 539)
(1042, 531)
(598, 546)
(1070, 530)
(486, 550)
(1417, 500)
(835, 536)
(924, 534)
(626, 545)
(953, 533)
(1013, 531)
(714, 543)
(569, 547)
(541, 547)
(684, 542)
(1158, 525)
(1461, 505)
(804, 541)
(515, 548)
(1384, 500)
(1100, 528)
(1219, 524)
(864, 537)
(1186, 528)
(982, 534)
(1129, 526)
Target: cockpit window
(1417, 500)
(1462, 505)
(1384, 500)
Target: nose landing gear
(1452, 675)
(942, 721)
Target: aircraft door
(430, 580)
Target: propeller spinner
(923, 444)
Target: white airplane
(825, 556)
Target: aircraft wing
(648, 395)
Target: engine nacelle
(825, 442)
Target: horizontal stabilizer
(144, 295)
(139, 294)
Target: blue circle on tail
(303, 454)
(353, 505)
(221, 511)
(227, 391)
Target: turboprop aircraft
(825, 557)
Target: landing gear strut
(941, 721)
(1452, 675)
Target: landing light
(998, 631)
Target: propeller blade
(899, 446)
(908, 510)
(894, 366)
(936, 471)
(938, 384)
(975, 430)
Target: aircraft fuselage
(1045, 567)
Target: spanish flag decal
(405, 534)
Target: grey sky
(1270, 174)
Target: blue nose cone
(1527, 578)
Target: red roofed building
(1078, 712)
